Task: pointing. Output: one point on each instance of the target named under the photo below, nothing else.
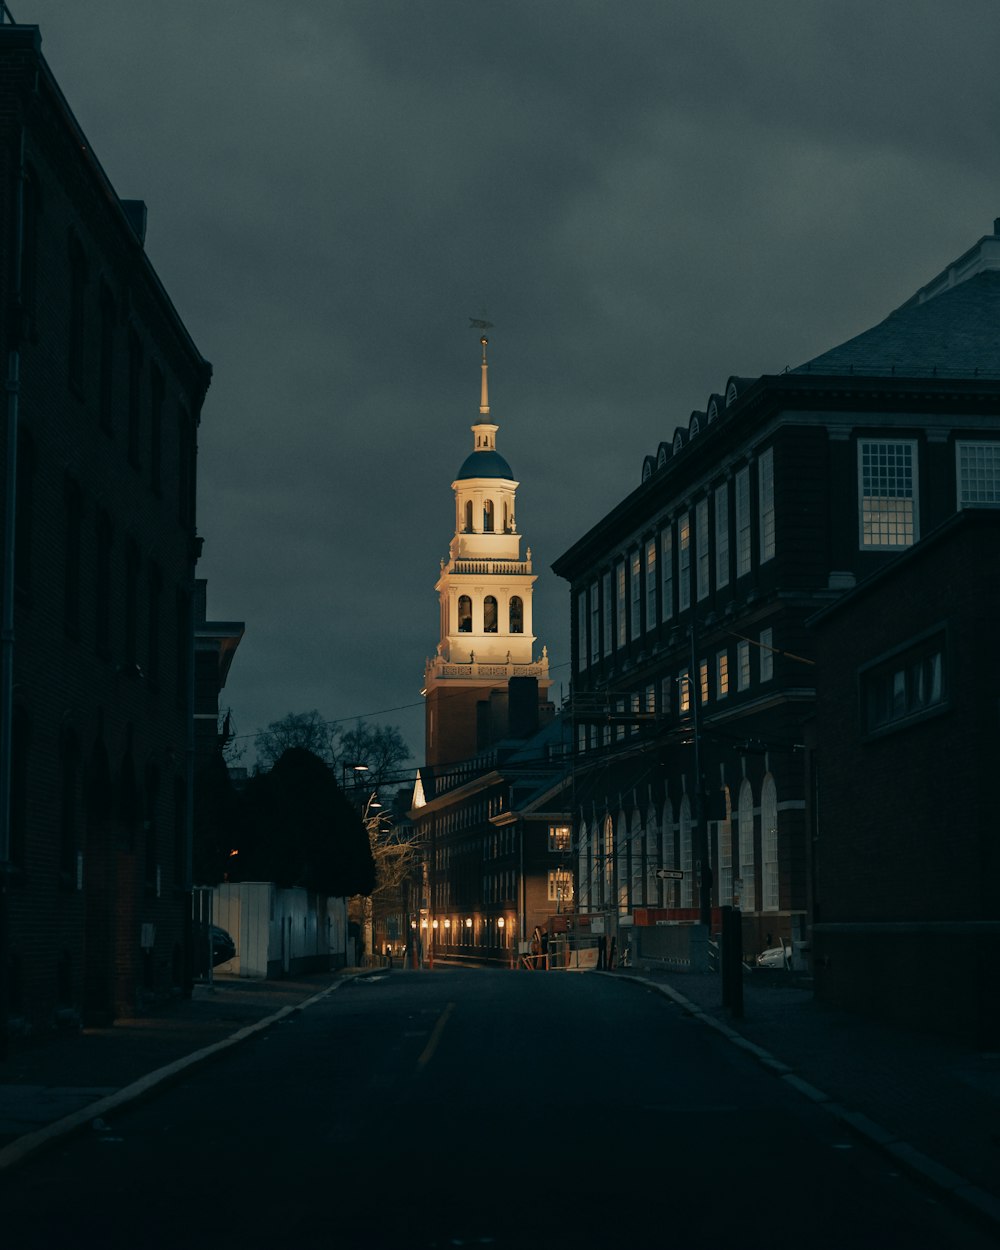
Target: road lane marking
(435, 1036)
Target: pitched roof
(954, 334)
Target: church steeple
(484, 590)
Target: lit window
(635, 562)
(722, 674)
(684, 561)
(978, 474)
(888, 492)
(560, 886)
(703, 680)
(650, 583)
(765, 496)
(684, 691)
(559, 838)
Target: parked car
(223, 946)
(774, 957)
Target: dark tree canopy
(298, 729)
(301, 830)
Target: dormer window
(694, 428)
(678, 442)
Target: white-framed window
(635, 563)
(595, 623)
(581, 630)
(978, 468)
(620, 603)
(743, 522)
(765, 503)
(684, 691)
(722, 535)
(766, 654)
(703, 680)
(887, 490)
(769, 845)
(683, 561)
(743, 665)
(667, 572)
(701, 538)
(609, 614)
(748, 896)
(650, 583)
(560, 885)
(722, 674)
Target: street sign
(670, 874)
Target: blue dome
(485, 464)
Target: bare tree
(380, 750)
(298, 729)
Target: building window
(722, 535)
(765, 503)
(516, 614)
(609, 616)
(748, 896)
(620, 603)
(743, 522)
(666, 702)
(684, 691)
(468, 516)
(726, 855)
(769, 845)
(687, 854)
(766, 654)
(978, 474)
(650, 583)
(488, 516)
(722, 674)
(704, 553)
(667, 572)
(906, 687)
(595, 623)
(743, 665)
(581, 627)
(703, 680)
(650, 704)
(635, 563)
(464, 614)
(684, 561)
(888, 493)
(559, 838)
(560, 886)
(489, 615)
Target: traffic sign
(670, 874)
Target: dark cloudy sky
(644, 198)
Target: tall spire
(484, 399)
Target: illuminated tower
(485, 591)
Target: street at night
(452, 1108)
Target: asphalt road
(455, 1108)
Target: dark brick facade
(905, 847)
(110, 396)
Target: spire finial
(484, 399)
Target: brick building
(905, 741)
(694, 670)
(97, 679)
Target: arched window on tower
(488, 517)
(506, 517)
(464, 614)
(468, 516)
(489, 615)
(516, 615)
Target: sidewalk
(932, 1105)
(59, 1085)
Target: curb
(31, 1143)
(976, 1202)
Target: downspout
(13, 387)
